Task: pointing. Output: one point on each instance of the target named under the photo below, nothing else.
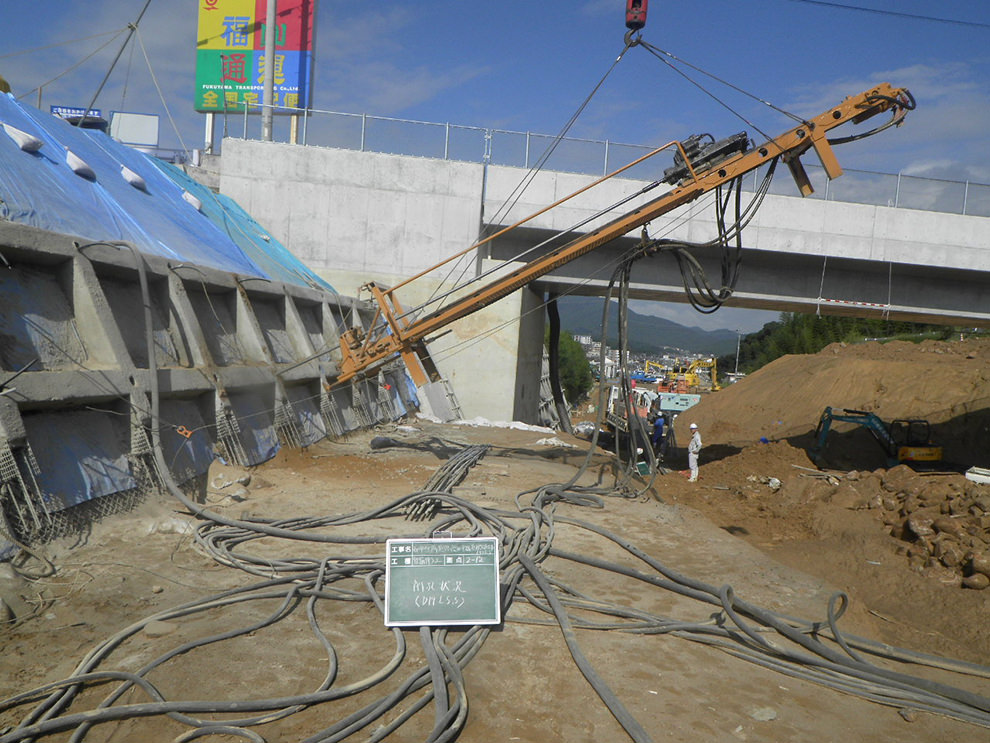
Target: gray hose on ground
(618, 710)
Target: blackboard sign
(441, 581)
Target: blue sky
(525, 65)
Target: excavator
(650, 366)
(700, 165)
(702, 374)
(904, 441)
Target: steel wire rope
(154, 394)
(478, 337)
(116, 31)
(148, 328)
(116, 35)
(127, 79)
(161, 96)
(533, 248)
(531, 174)
(660, 54)
(600, 415)
(901, 105)
(895, 14)
(97, 376)
(131, 29)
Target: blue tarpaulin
(38, 187)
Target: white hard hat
(693, 425)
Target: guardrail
(585, 156)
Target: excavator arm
(903, 441)
(698, 169)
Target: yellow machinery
(702, 374)
(904, 441)
(654, 366)
(697, 170)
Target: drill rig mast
(699, 167)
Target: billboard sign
(74, 112)
(230, 55)
(140, 130)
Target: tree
(575, 371)
(800, 333)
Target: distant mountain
(647, 334)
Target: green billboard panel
(442, 581)
(230, 55)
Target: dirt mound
(946, 383)
(906, 543)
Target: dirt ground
(762, 519)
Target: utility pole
(738, 339)
(267, 108)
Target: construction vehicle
(702, 375)
(698, 169)
(657, 367)
(674, 381)
(904, 441)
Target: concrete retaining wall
(239, 371)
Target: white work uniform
(694, 446)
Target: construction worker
(694, 448)
(659, 438)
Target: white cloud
(953, 106)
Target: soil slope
(901, 542)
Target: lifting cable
(116, 35)
(701, 295)
(520, 188)
(665, 57)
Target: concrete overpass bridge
(359, 216)
(805, 255)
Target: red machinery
(636, 14)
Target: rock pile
(942, 520)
